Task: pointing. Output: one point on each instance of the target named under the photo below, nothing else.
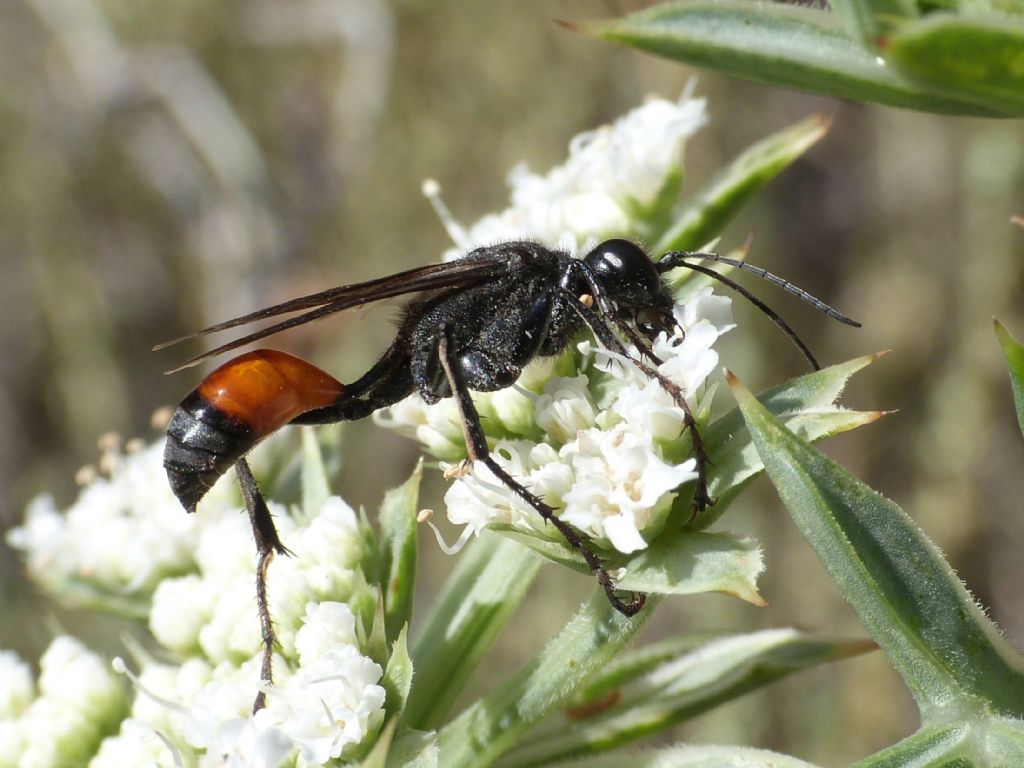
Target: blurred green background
(164, 166)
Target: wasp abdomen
(232, 409)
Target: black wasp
(476, 323)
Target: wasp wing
(463, 273)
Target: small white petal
(16, 686)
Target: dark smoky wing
(454, 274)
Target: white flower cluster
(612, 178)
(592, 445)
(78, 700)
(198, 586)
(328, 701)
(123, 534)
(604, 469)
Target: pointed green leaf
(686, 562)
(982, 740)
(938, 745)
(414, 749)
(657, 687)
(805, 404)
(495, 723)
(866, 20)
(678, 562)
(397, 676)
(398, 538)
(906, 594)
(377, 757)
(775, 44)
(372, 641)
(316, 487)
(692, 757)
(1014, 353)
(649, 221)
(970, 58)
(488, 584)
(718, 202)
(1003, 738)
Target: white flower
(72, 675)
(247, 743)
(161, 687)
(621, 486)
(480, 498)
(122, 535)
(226, 697)
(79, 699)
(690, 359)
(565, 408)
(612, 173)
(16, 686)
(181, 608)
(136, 744)
(332, 537)
(328, 704)
(326, 625)
(12, 736)
(437, 427)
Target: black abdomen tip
(201, 446)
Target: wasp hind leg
(476, 445)
(268, 543)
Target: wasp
(473, 326)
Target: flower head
(197, 589)
(611, 179)
(589, 440)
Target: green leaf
(414, 749)
(686, 562)
(660, 686)
(805, 404)
(397, 676)
(969, 58)
(866, 20)
(398, 539)
(720, 200)
(316, 487)
(677, 563)
(1014, 353)
(692, 757)
(377, 757)
(948, 652)
(649, 221)
(488, 584)
(775, 44)
(938, 745)
(1004, 741)
(495, 723)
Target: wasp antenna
(771, 313)
(170, 343)
(677, 259)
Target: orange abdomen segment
(265, 389)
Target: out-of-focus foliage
(959, 58)
(165, 166)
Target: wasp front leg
(701, 498)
